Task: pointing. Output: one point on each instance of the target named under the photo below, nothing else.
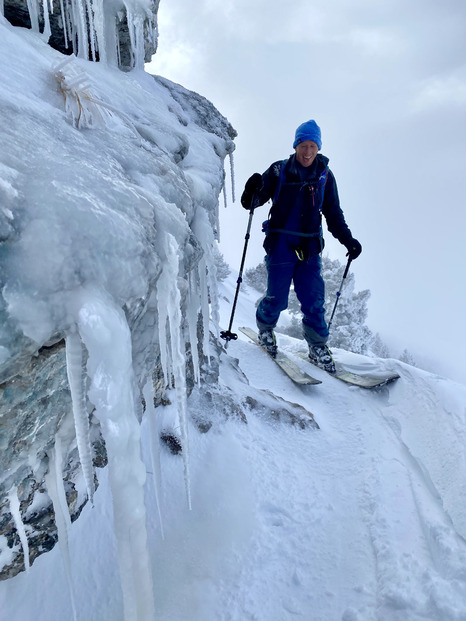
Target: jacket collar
(295, 172)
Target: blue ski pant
(309, 287)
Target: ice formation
(57, 494)
(13, 502)
(76, 379)
(106, 335)
(154, 445)
(92, 25)
(172, 347)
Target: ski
(288, 366)
(355, 379)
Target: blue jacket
(300, 196)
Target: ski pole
(339, 292)
(228, 335)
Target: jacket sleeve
(269, 184)
(333, 213)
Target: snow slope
(360, 520)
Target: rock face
(17, 13)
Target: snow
(362, 519)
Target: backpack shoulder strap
(281, 179)
(323, 178)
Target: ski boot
(320, 356)
(268, 342)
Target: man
(301, 188)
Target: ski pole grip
(347, 268)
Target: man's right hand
(252, 186)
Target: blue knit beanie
(308, 131)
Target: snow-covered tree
(407, 357)
(379, 348)
(223, 269)
(348, 328)
(256, 277)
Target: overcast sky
(386, 82)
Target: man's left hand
(354, 249)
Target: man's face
(306, 152)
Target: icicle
(224, 192)
(64, 22)
(192, 317)
(79, 21)
(2, 8)
(169, 311)
(57, 494)
(163, 344)
(105, 333)
(232, 176)
(69, 26)
(90, 19)
(99, 29)
(204, 293)
(154, 448)
(212, 293)
(33, 10)
(207, 275)
(15, 511)
(136, 16)
(47, 10)
(76, 379)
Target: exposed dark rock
(172, 441)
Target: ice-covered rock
(107, 179)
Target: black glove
(253, 185)
(354, 249)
